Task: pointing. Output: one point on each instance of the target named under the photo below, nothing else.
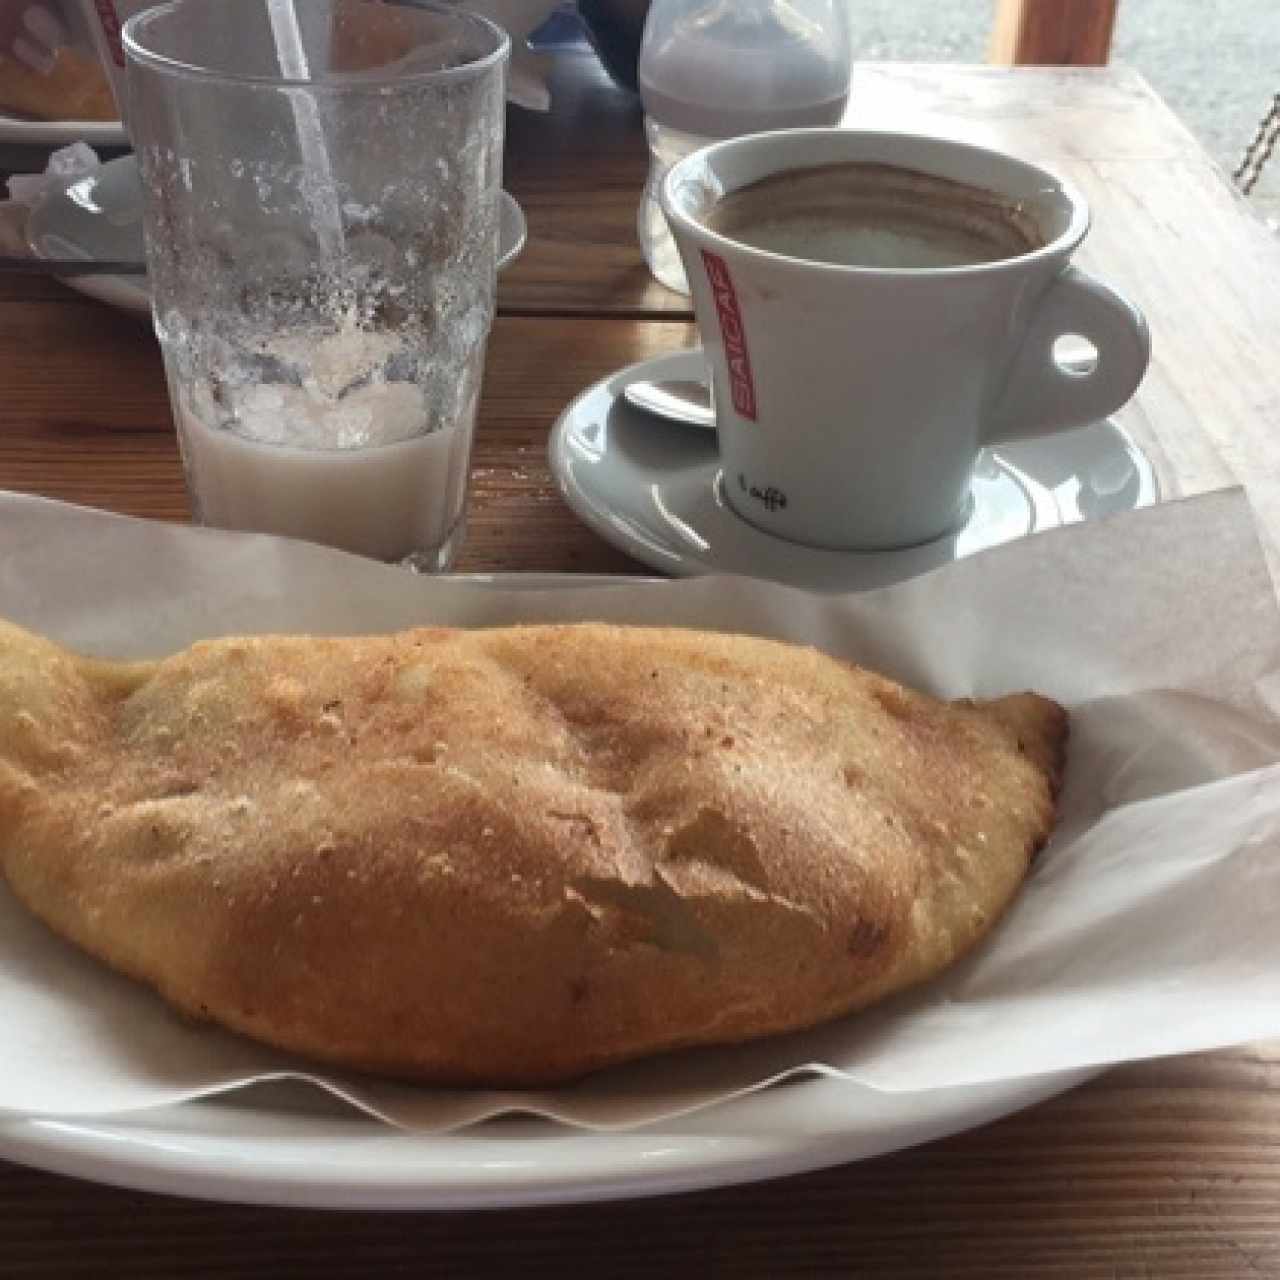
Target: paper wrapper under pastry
(1146, 926)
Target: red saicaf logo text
(110, 28)
(742, 385)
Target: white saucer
(653, 489)
(99, 216)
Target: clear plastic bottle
(714, 69)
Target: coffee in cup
(877, 308)
(876, 215)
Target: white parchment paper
(1150, 926)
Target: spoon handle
(687, 402)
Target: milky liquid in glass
(382, 500)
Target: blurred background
(1215, 62)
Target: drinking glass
(322, 181)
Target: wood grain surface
(1162, 1169)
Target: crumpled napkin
(26, 190)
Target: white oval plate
(99, 217)
(285, 1146)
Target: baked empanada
(513, 856)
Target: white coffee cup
(851, 400)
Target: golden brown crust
(512, 856)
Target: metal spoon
(684, 401)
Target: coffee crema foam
(860, 214)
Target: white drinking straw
(321, 193)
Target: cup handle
(1042, 395)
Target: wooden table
(1167, 1169)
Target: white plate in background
(99, 216)
(23, 131)
(289, 1147)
